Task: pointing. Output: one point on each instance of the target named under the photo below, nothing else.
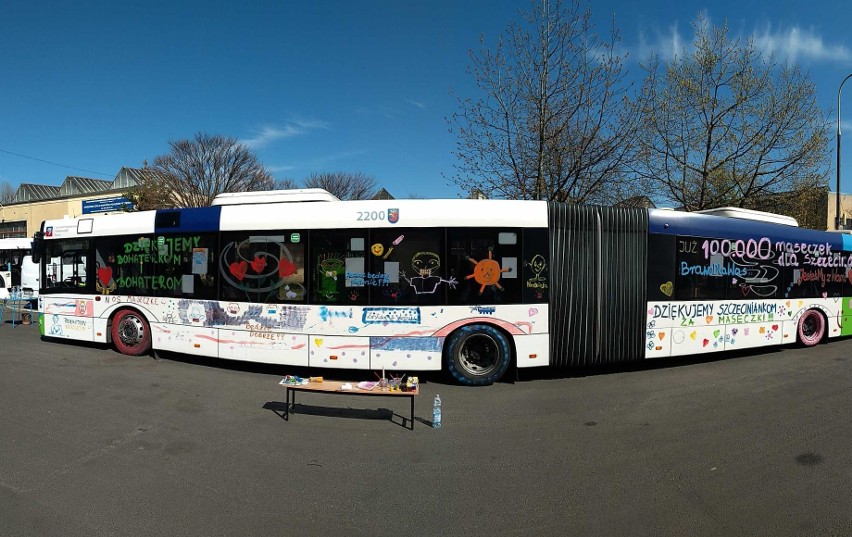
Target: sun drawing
(486, 272)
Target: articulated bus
(473, 287)
(18, 272)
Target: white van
(17, 269)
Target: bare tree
(723, 125)
(154, 191)
(285, 183)
(344, 185)
(197, 170)
(553, 122)
(7, 192)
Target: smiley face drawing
(486, 272)
(378, 249)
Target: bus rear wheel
(478, 354)
(131, 333)
(811, 328)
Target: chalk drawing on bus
(538, 265)
(268, 267)
(486, 272)
(755, 276)
(331, 269)
(104, 283)
(56, 326)
(291, 291)
(426, 281)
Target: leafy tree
(553, 122)
(724, 126)
(197, 170)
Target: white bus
(470, 286)
(18, 272)
(316, 282)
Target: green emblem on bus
(295, 237)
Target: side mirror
(38, 246)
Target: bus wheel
(811, 328)
(131, 333)
(478, 354)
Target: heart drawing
(238, 269)
(104, 275)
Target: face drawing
(331, 267)
(426, 281)
(377, 249)
(537, 264)
(425, 263)
(486, 272)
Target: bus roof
(274, 196)
(336, 215)
(16, 244)
(749, 214)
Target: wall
(34, 212)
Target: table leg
(287, 404)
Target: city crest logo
(393, 216)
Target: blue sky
(360, 86)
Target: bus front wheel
(478, 354)
(131, 333)
(811, 328)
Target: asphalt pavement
(93, 443)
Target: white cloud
(794, 43)
(665, 44)
(418, 104)
(787, 43)
(326, 160)
(284, 168)
(269, 134)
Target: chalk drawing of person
(426, 282)
(538, 266)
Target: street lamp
(837, 224)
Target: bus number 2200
(370, 216)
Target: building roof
(33, 192)
(75, 186)
(382, 194)
(127, 178)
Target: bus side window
(698, 276)
(535, 278)
(486, 264)
(263, 266)
(67, 265)
(407, 267)
(337, 264)
(184, 266)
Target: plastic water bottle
(436, 412)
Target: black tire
(478, 354)
(131, 333)
(811, 328)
